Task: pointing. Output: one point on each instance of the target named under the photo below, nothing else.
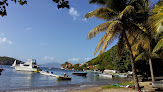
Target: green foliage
(109, 60)
(7, 61)
(123, 83)
(4, 3)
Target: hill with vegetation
(8, 60)
(109, 60)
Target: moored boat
(63, 77)
(123, 75)
(80, 73)
(27, 66)
(48, 73)
(44, 72)
(106, 75)
(52, 74)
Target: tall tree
(119, 24)
(154, 34)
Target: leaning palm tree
(119, 24)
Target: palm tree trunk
(151, 69)
(132, 62)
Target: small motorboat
(106, 75)
(63, 77)
(45, 72)
(48, 73)
(123, 75)
(52, 74)
(80, 73)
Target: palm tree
(154, 35)
(119, 24)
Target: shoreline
(82, 88)
(147, 88)
(61, 88)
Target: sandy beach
(70, 88)
(147, 88)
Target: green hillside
(8, 60)
(109, 60)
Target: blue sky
(39, 30)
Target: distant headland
(7, 60)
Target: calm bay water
(11, 79)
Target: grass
(123, 83)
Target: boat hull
(80, 74)
(63, 78)
(46, 73)
(106, 75)
(18, 68)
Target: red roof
(69, 64)
(90, 67)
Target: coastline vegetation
(123, 83)
(8, 60)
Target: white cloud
(84, 19)
(87, 59)
(75, 59)
(74, 13)
(47, 58)
(5, 40)
(2, 34)
(28, 28)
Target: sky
(40, 31)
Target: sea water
(10, 79)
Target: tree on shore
(119, 26)
(152, 27)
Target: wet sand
(83, 88)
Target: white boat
(123, 75)
(27, 66)
(14, 64)
(44, 72)
(62, 68)
(52, 74)
(106, 75)
(48, 73)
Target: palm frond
(135, 50)
(112, 32)
(136, 3)
(138, 36)
(156, 20)
(100, 43)
(100, 2)
(156, 23)
(154, 55)
(98, 29)
(120, 46)
(141, 56)
(116, 5)
(102, 13)
(127, 12)
(159, 46)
